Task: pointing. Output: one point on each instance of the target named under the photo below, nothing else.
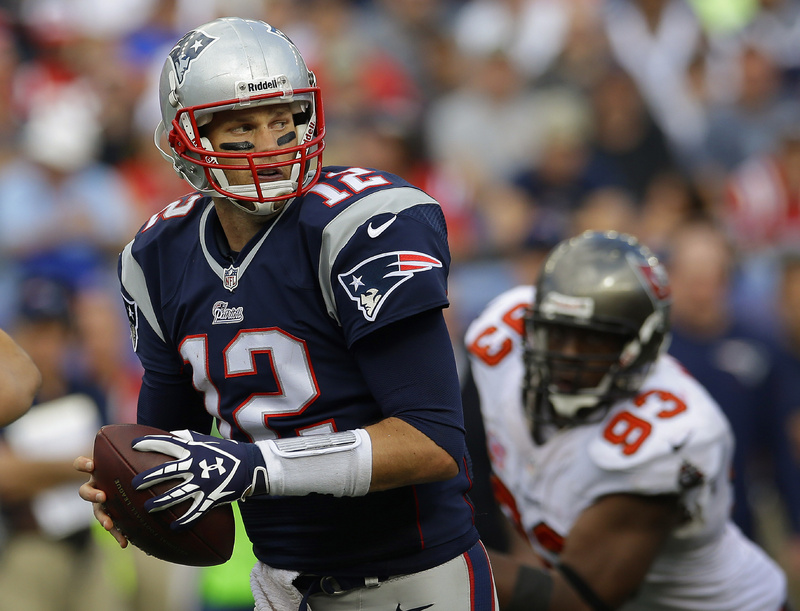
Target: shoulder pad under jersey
(673, 423)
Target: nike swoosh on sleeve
(374, 232)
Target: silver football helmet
(230, 64)
(612, 292)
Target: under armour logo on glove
(214, 472)
(206, 467)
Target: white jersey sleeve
(494, 345)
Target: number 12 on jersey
(353, 180)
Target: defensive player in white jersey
(609, 457)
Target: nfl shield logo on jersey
(230, 278)
(371, 282)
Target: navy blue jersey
(265, 336)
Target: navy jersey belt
(329, 584)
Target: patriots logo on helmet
(187, 50)
(276, 31)
(371, 282)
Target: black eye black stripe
(237, 146)
(246, 145)
(286, 138)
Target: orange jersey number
(631, 431)
(493, 344)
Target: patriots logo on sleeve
(371, 282)
(133, 319)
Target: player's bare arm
(20, 380)
(605, 558)
(507, 564)
(402, 456)
(613, 544)
(22, 478)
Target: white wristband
(335, 463)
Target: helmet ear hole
(206, 143)
(218, 174)
(301, 113)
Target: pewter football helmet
(605, 284)
(230, 64)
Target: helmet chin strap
(259, 208)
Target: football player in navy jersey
(300, 307)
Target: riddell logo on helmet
(278, 83)
(309, 135)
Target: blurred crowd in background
(677, 121)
